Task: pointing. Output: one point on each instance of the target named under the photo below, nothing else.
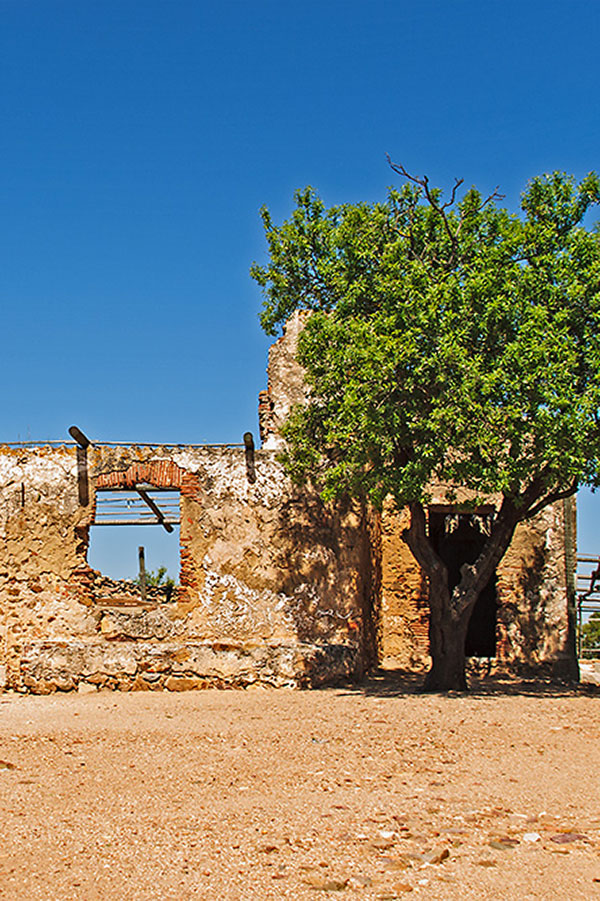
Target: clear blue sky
(140, 137)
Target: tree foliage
(590, 634)
(159, 578)
(450, 342)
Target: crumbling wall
(43, 543)
(273, 581)
(532, 585)
(286, 383)
(534, 628)
(276, 587)
(403, 618)
(533, 632)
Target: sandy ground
(361, 793)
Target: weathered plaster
(275, 587)
(272, 586)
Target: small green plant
(159, 579)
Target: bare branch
(550, 499)
(400, 170)
(457, 183)
(495, 195)
(440, 209)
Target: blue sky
(139, 140)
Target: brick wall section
(403, 622)
(161, 473)
(533, 633)
(190, 578)
(266, 426)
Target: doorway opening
(459, 538)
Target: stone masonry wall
(286, 385)
(533, 632)
(275, 587)
(274, 584)
(533, 622)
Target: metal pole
(78, 436)
(142, 572)
(156, 510)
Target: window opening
(124, 516)
(145, 505)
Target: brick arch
(161, 473)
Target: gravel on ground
(366, 792)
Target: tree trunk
(450, 612)
(447, 648)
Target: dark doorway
(459, 538)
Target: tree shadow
(401, 683)
(328, 584)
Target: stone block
(184, 683)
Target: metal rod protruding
(142, 562)
(78, 436)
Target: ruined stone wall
(274, 584)
(286, 384)
(533, 632)
(533, 624)
(43, 542)
(403, 620)
(533, 581)
(275, 587)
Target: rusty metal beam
(78, 436)
(155, 509)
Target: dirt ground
(369, 792)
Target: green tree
(453, 343)
(159, 579)
(590, 634)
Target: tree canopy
(590, 634)
(451, 342)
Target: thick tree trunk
(449, 613)
(447, 637)
(447, 649)
(448, 667)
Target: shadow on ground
(402, 683)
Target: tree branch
(440, 209)
(495, 195)
(475, 576)
(550, 499)
(418, 541)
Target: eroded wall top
(286, 385)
